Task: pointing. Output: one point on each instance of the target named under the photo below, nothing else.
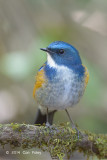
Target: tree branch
(58, 140)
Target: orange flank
(39, 81)
(86, 76)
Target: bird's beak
(44, 49)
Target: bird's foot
(78, 132)
(51, 127)
(48, 125)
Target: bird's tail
(41, 118)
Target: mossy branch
(58, 140)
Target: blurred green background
(28, 25)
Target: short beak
(44, 49)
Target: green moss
(101, 144)
(1, 125)
(60, 140)
(16, 126)
(65, 141)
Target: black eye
(61, 51)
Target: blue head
(63, 53)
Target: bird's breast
(63, 90)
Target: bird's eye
(61, 51)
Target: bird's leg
(72, 122)
(47, 120)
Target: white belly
(64, 91)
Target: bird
(60, 82)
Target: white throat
(51, 62)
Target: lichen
(58, 140)
(65, 140)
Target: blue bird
(60, 82)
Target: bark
(58, 140)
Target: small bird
(60, 82)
